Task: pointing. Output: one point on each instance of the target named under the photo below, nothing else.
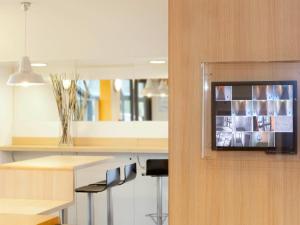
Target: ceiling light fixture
(66, 84)
(39, 64)
(25, 76)
(158, 62)
(118, 85)
(163, 88)
(151, 88)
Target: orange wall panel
(105, 112)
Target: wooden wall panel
(235, 30)
(37, 184)
(234, 190)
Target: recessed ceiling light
(158, 61)
(39, 64)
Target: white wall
(153, 129)
(6, 110)
(36, 103)
(106, 31)
(93, 70)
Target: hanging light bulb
(118, 85)
(25, 76)
(163, 88)
(66, 84)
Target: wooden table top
(16, 219)
(31, 207)
(56, 162)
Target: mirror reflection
(122, 100)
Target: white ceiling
(97, 31)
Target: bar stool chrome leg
(91, 209)
(110, 216)
(159, 202)
(64, 216)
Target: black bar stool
(129, 174)
(158, 168)
(112, 179)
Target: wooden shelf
(61, 162)
(84, 144)
(87, 149)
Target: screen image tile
(223, 108)
(271, 108)
(284, 124)
(283, 92)
(263, 123)
(241, 108)
(242, 139)
(263, 139)
(263, 92)
(242, 92)
(284, 140)
(243, 123)
(224, 123)
(283, 108)
(223, 93)
(224, 139)
(261, 108)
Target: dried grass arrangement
(66, 101)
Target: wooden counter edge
(83, 149)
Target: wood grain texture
(31, 206)
(86, 144)
(233, 30)
(56, 162)
(46, 178)
(81, 149)
(234, 189)
(37, 184)
(15, 219)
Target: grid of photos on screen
(253, 115)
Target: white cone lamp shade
(163, 88)
(151, 89)
(25, 76)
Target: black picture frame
(282, 149)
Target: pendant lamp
(25, 76)
(151, 88)
(163, 88)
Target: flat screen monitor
(260, 115)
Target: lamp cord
(25, 33)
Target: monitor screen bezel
(253, 83)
